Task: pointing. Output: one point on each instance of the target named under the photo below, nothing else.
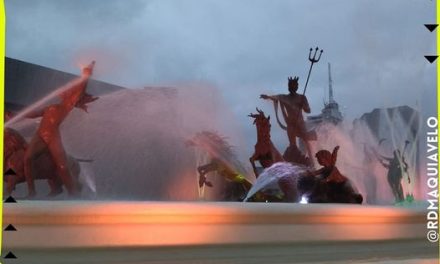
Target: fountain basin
(144, 232)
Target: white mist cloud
(244, 47)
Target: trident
(312, 60)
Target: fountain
(136, 141)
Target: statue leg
(291, 134)
(35, 148)
(10, 184)
(56, 186)
(15, 161)
(400, 191)
(203, 170)
(59, 157)
(392, 186)
(396, 193)
(252, 160)
(309, 152)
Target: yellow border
(2, 104)
(437, 13)
(2, 93)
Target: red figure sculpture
(329, 172)
(48, 136)
(265, 151)
(44, 168)
(292, 105)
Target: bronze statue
(292, 105)
(395, 165)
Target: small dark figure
(265, 151)
(328, 185)
(395, 165)
(329, 172)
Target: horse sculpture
(223, 161)
(265, 151)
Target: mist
(221, 55)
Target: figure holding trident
(48, 138)
(291, 106)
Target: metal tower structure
(330, 113)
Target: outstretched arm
(305, 105)
(315, 173)
(405, 165)
(74, 95)
(335, 155)
(268, 97)
(405, 168)
(384, 164)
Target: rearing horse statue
(265, 151)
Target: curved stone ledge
(204, 232)
(102, 224)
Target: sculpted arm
(74, 95)
(269, 97)
(305, 105)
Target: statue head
(293, 84)
(261, 121)
(324, 158)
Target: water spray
(86, 73)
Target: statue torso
(293, 104)
(53, 116)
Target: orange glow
(183, 223)
(183, 187)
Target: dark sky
(244, 47)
